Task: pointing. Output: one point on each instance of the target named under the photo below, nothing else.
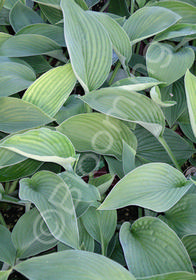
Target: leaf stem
(169, 151)
(132, 6)
(118, 65)
(105, 6)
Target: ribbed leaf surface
(156, 186)
(128, 106)
(149, 21)
(51, 90)
(17, 115)
(172, 276)
(166, 64)
(100, 134)
(7, 250)
(190, 87)
(72, 265)
(151, 248)
(89, 46)
(53, 199)
(42, 144)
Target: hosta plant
(97, 139)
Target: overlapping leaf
(17, 115)
(156, 186)
(100, 134)
(150, 243)
(43, 145)
(7, 250)
(89, 46)
(129, 106)
(51, 90)
(53, 199)
(149, 21)
(93, 266)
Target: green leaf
(190, 87)
(149, 21)
(31, 236)
(172, 276)
(16, 115)
(8, 158)
(100, 134)
(176, 31)
(38, 63)
(15, 77)
(82, 4)
(5, 274)
(88, 44)
(53, 32)
(156, 186)
(86, 240)
(151, 150)
(83, 194)
(51, 90)
(101, 225)
(128, 106)
(128, 158)
(115, 166)
(70, 265)
(102, 182)
(7, 250)
(21, 16)
(136, 83)
(120, 40)
(52, 14)
(189, 242)
(50, 3)
(1, 4)
(53, 199)
(155, 94)
(87, 163)
(26, 45)
(181, 217)
(118, 7)
(148, 238)
(167, 65)
(42, 144)
(19, 170)
(183, 9)
(174, 92)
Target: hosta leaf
(128, 106)
(182, 216)
(52, 14)
(172, 276)
(100, 134)
(167, 65)
(190, 87)
(31, 236)
(189, 242)
(88, 44)
(118, 7)
(7, 250)
(53, 199)
(155, 94)
(51, 90)
(53, 32)
(176, 31)
(72, 265)
(185, 10)
(26, 45)
(149, 21)
(136, 83)
(150, 149)
(16, 115)
(128, 158)
(156, 186)
(5, 274)
(120, 40)
(1, 4)
(174, 92)
(21, 16)
(15, 77)
(91, 3)
(148, 238)
(8, 158)
(42, 144)
(38, 63)
(50, 3)
(83, 194)
(100, 225)
(87, 163)
(87, 242)
(102, 182)
(82, 4)
(19, 170)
